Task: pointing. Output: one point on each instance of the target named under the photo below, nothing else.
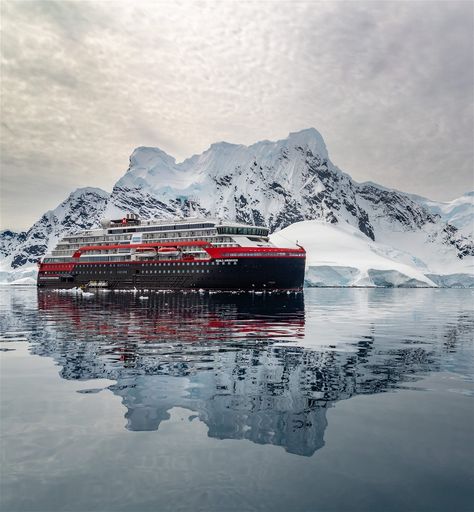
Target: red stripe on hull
(252, 252)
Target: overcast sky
(388, 84)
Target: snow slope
(340, 255)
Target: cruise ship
(207, 254)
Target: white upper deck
(130, 229)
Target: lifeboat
(168, 252)
(144, 253)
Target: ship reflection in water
(232, 359)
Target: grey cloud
(388, 84)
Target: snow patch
(340, 255)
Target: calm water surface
(331, 400)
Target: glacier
(356, 234)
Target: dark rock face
(451, 235)
(396, 207)
(9, 240)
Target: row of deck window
(172, 271)
(170, 263)
(195, 270)
(236, 230)
(93, 270)
(177, 227)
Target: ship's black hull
(259, 273)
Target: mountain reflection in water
(232, 359)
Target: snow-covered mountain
(275, 183)
(81, 210)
